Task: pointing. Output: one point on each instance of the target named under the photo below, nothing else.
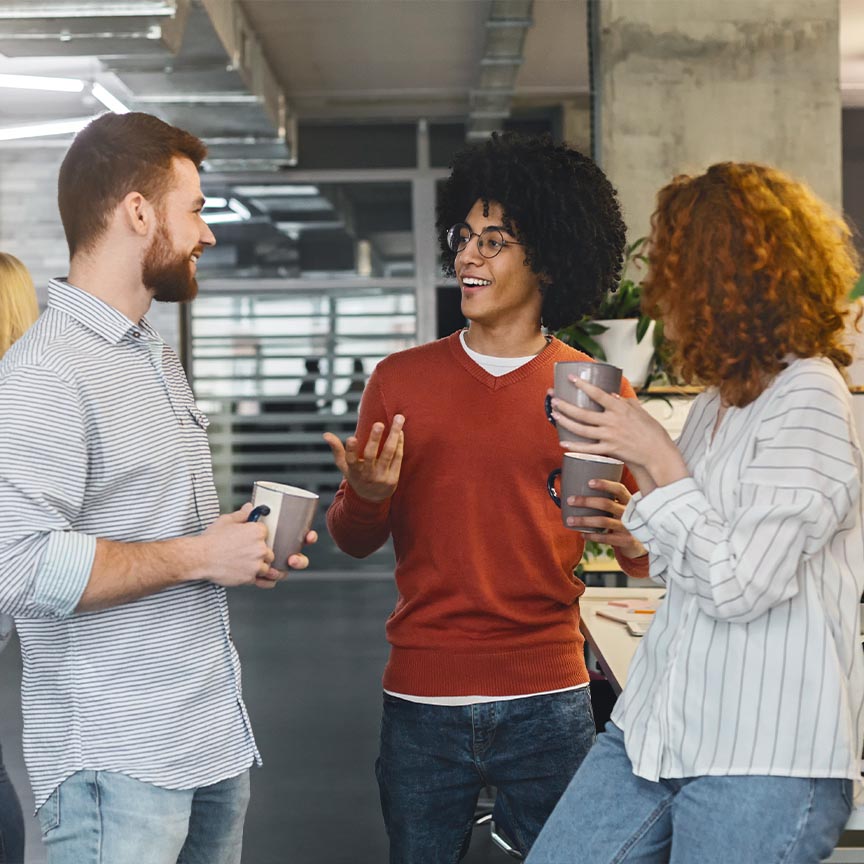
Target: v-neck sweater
(488, 603)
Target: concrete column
(681, 84)
(576, 124)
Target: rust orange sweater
(487, 601)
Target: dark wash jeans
(11, 821)
(435, 760)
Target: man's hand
(371, 475)
(233, 551)
(297, 561)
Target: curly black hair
(557, 203)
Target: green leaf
(642, 327)
(593, 328)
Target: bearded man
(113, 557)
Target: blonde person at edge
(486, 681)
(114, 560)
(739, 732)
(18, 310)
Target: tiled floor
(312, 652)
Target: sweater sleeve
(359, 526)
(796, 493)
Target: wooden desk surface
(612, 644)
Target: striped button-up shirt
(100, 437)
(754, 662)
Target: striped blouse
(754, 662)
(100, 437)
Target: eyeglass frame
(471, 233)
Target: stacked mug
(577, 469)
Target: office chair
(483, 815)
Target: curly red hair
(748, 266)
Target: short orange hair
(746, 266)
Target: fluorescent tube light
(277, 190)
(87, 9)
(221, 218)
(111, 102)
(240, 209)
(42, 82)
(39, 130)
(236, 212)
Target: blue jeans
(608, 814)
(435, 760)
(11, 821)
(100, 817)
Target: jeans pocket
(49, 813)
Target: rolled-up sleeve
(44, 563)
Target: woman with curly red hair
(739, 732)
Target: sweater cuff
(636, 567)
(364, 510)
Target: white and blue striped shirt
(754, 662)
(100, 437)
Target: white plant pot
(622, 349)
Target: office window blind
(275, 369)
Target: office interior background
(330, 125)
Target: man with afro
(486, 683)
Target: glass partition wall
(311, 283)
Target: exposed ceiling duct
(197, 63)
(491, 100)
(33, 28)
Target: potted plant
(618, 332)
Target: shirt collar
(95, 314)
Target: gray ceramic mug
(603, 375)
(287, 511)
(575, 472)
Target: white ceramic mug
(287, 511)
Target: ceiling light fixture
(237, 212)
(111, 102)
(277, 190)
(39, 130)
(42, 82)
(85, 9)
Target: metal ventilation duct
(33, 28)
(196, 63)
(490, 101)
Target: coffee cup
(603, 375)
(287, 512)
(575, 472)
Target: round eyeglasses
(490, 241)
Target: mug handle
(550, 487)
(549, 416)
(258, 512)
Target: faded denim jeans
(435, 761)
(11, 821)
(101, 817)
(608, 815)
